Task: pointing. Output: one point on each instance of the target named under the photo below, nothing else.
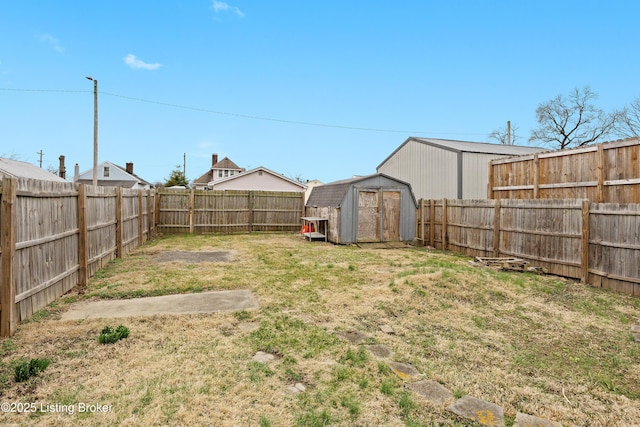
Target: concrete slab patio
(203, 302)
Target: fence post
(140, 219)
(156, 209)
(491, 181)
(432, 223)
(496, 229)
(536, 176)
(119, 223)
(150, 215)
(251, 202)
(444, 224)
(600, 174)
(585, 241)
(9, 313)
(422, 232)
(83, 247)
(190, 209)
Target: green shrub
(108, 335)
(25, 370)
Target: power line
(247, 116)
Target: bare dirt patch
(195, 256)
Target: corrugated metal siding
(431, 171)
(475, 174)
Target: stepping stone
(387, 329)
(380, 350)
(354, 337)
(403, 370)
(524, 420)
(298, 388)
(485, 413)
(263, 357)
(248, 326)
(433, 391)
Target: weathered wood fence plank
(54, 236)
(228, 211)
(602, 173)
(598, 243)
(8, 315)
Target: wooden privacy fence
(598, 243)
(54, 236)
(601, 173)
(228, 211)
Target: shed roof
(470, 147)
(18, 169)
(333, 193)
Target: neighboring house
(375, 208)
(112, 175)
(310, 186)
(222, 169)
(17, 169)
(438, 168)
(260, 178)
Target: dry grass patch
(535, 344)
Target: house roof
(120, 179)
(225, 163)
(140, 180)
(18, 169)
(249, 172)
(333, 193)
(470, 147)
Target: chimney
(130, 168)
(76, 172)
(62, 170)
(214, 160)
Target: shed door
(368, 216)
(391, 216)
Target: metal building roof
(470, 147)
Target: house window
(105, 172)
(226, 172)
(220, 173)
(232, 173)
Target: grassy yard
(541, 345)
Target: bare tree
(573, 121)
(504, 135)
(628, 125)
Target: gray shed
(374, 208)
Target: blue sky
(314, 90)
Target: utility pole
(509, 133)
(184, 165)
(95, 129)
(41, 154)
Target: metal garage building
(375, 208)
(438, 168)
